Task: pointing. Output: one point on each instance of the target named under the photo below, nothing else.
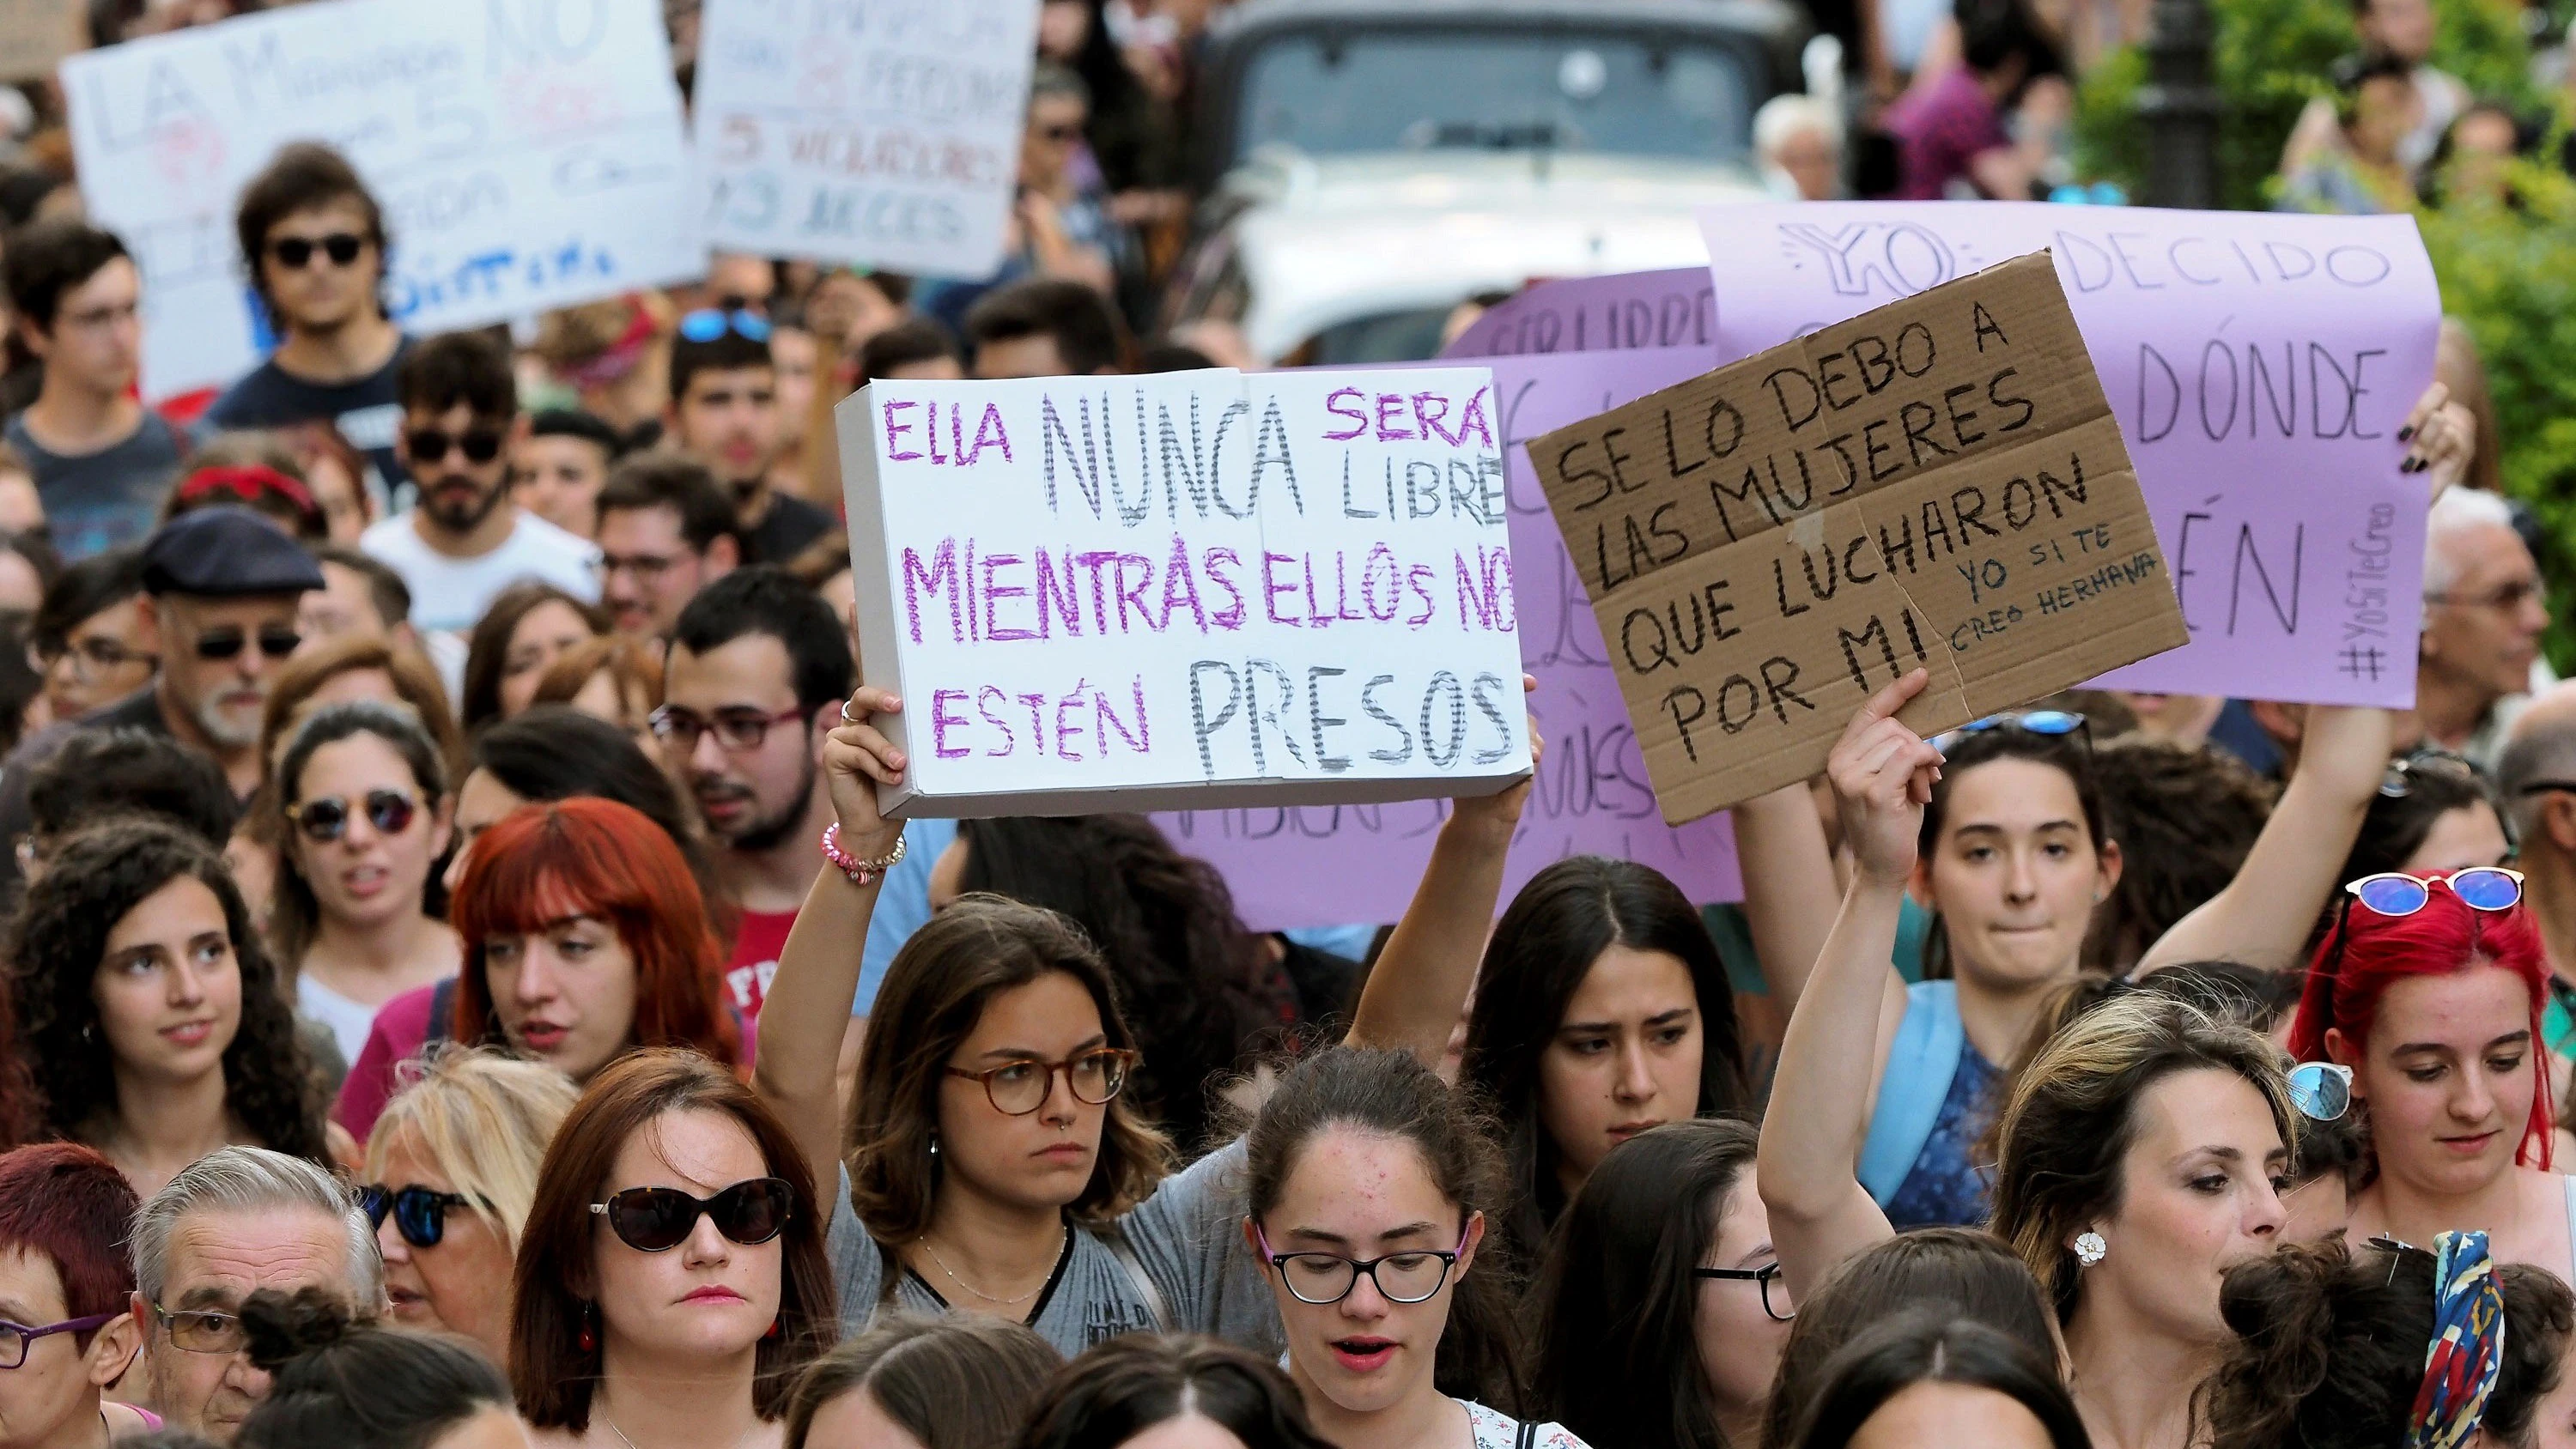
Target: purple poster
(1625, 310)
(1329, 865)
(2260, 366)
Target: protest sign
(2260, 365)
(1627, 310)
(880, 132)
(1291, 866)
(1199, 588)
(1938, 482)
(36, 34)
(527, 153)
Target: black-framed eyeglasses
(419, 1213)
(429, 445)
(95, 653)
(1018, 1088)
(739, 731)
(2507, 597)
(2046, 723)
(658, 1219)
(1412, 1276)
(15, 1338)
(1775, 1290)
(325, 818)
(709, 323)
(216, 645)
(295, 253)
(202, 1330)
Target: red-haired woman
(585, 937)
(2429, 992)
(63, 1270)
(672, 1281)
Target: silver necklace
(630, 1444)
(924, 1241)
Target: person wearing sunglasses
(364, 818)
(156, 1027)
(66, 1331)
(467, 539)
(100, 459)
(2428, 990)
(450, 1176)
(725, 413)
(1662, 1311)
(313, 242)
(672, 1280)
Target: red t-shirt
(756, 945)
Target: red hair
(591, 857)
(2368, 953)
(65, 1203)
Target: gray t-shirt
(107, 499)
(1187, 1240)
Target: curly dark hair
(55, 943)
(1196, 987)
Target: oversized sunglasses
(221, 644)
(709, 323)
(419, 1213)
(2322, 1091)
(2480, 888)
(658, 1219)
(429, 445)
(325, 818)
(2046, 723)
(295, 253)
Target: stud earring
(2090, 1249)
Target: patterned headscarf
(2467, 1352)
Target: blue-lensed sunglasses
(2047, 723)
(708, 324)
(2321, 1091)
(2480, 888)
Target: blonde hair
(484, 1119)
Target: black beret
(226, 552)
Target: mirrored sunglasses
(2480, 888)
(419, 1213)
(2046, 723)
(325, 818)
(2322, 1091)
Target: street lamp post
(2179, 106)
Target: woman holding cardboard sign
(997, 1167)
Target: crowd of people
(458, 988)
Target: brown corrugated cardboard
(1939, 482)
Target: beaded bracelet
(860, 872)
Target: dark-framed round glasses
(1018, 1088)
(16, 1338)
(1775, 1292)
(1324, 1278)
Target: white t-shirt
(449, 594)
(349, 1021)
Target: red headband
(247, 481)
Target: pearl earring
(2090, 1249)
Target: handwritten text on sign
(528, 154)
(1290, 586)
(1321, 865)
(1938, 482)
(2259, 365)
(883, 132)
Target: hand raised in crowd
(857, 758)
(1882, 774)
(2442, 439)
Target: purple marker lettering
(1342, 589)
(1271, 589)
(1133, 596)
(1037, 719)
(984, 707)
(994, 629)
(918, 581)
(1358, 418)
(1231, 616)
(1471, 423)
(930, 429)
(1314, 617)
(989, 433)
(1428, 419)
(1181, 587)
(956, 434)
(1099, 587)
(1072, 700)
(896, 430)
(1141, 740)
(1420, 578)
(941, 722)
(1059, 597)
(1391, 404)
(1394, 597)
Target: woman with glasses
(528, 627)
(65, 1290)
(93, 641)
(1662, 1312)
(585, 939)
(672, 1281)
(451, 1171)
(2427, 993)
(362, 808)
(994, 1163)
(1368, 1183)
(156, 1028)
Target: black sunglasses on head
(419, 1213)
(219, 644)
(295, 253)
(430, 445)
(658, 1219)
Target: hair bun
(277, 1328)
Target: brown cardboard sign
(1936, 483)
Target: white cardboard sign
(879, 132)
(528, 155)
(1190, 590)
